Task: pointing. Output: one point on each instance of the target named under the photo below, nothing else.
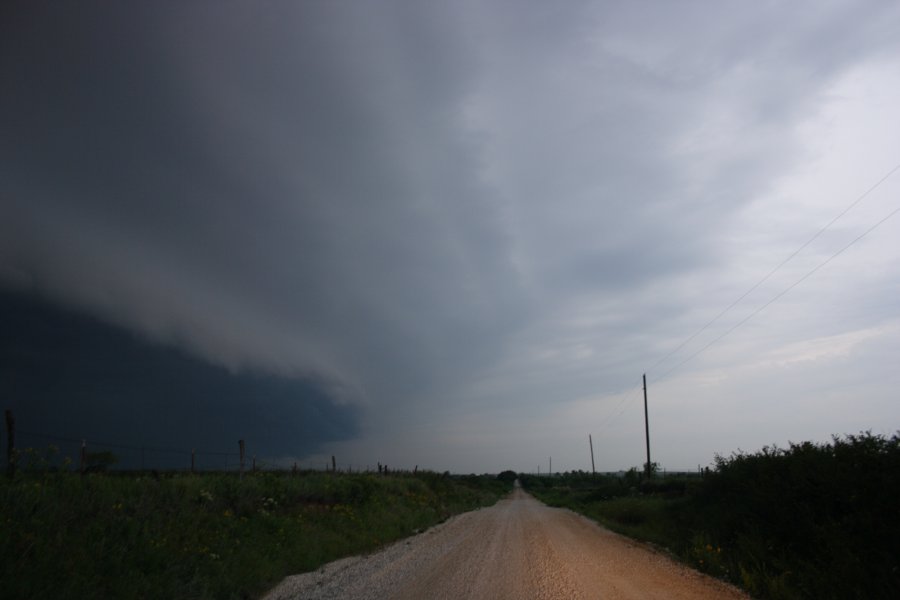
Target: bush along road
(807, 521)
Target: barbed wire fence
(27, 447)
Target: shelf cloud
(458, 215)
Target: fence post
(10, 444)
(241, 468)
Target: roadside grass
(809, 521)
(619, 504)
(209, 535)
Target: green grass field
(208, 535)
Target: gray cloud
(285, 194)
(431, 206)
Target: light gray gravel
(518, 548)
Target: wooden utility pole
(10, 444)
(591, 442)
(647, 427)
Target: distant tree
(632, 477)
(508, 476)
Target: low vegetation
(808, 521)
(109, 535)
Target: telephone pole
(591, 442)
(646, 426)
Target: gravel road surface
(517, 549)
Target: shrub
(808, 521)
(508, 476)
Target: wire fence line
(103, 444)
(125, 456)
(50, 450)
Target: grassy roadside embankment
(208, 535)
(810, 521)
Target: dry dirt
(517, 549)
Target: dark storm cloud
(66, 376)
(283, 191)
(456, 207)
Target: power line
(619, 408)
(772, 272)
(785, 291)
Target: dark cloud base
(67, 375)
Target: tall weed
(206, 536)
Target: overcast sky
(477, 224)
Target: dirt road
(517, 549)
